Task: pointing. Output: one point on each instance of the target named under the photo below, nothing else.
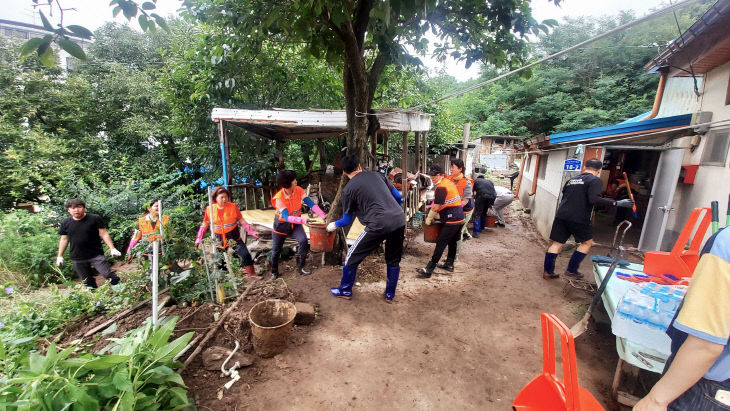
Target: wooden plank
(404, 168)
(425, 152)
(417, 140)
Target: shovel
(581, 326)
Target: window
(715, 152)
(543, 166)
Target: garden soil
(464, 340)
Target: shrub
(28, 246)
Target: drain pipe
(522, 168)
(534, 177)
(659, 95)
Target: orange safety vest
(453, 199)
(293, 204)
(149, 232)
(224, 220)
(461, 183)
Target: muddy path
(464, 340)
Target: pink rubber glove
(201, 233)
(132, 243)
(319, 212)
(296, 220)
(250, 230)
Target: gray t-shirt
(368, 196)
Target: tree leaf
(105, 362)
(160, 21)
(148, 5)
(72, 48)
(29, 47)
(44, 20)
(46, 56)
(80, 31)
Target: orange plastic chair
(681, 262)
(548, 393)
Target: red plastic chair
(547, 392)
(681, 262)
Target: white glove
(115, 253)
(331, 227)
(59, 261)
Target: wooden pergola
(286, 124)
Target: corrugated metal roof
(679, 96)
(646, 126)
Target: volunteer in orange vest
(148, 228)
(289, 220)
(464, 186)
(226, 220)
(447, 208)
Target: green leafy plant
(138, 373)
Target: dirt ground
(464, 340)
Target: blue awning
(622, 129)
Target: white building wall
(712, 183)
(544, 203)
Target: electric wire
(611, 32)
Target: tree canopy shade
(365, 36)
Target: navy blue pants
(278, 242)
(701, 397)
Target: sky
(93, 13)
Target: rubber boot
(274, 271)
(477, 227)
(251, 272)
(301, 261)
(426, 271)
(348, 280)
(448, 265)
(391, 282)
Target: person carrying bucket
(447, 206)
(371, 198)
(148, 228)
(464, 186)
(226, 220)
(289, 221)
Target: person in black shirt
(371, 198)
(484, 196)
(573, 217)
(84, 232)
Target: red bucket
(319, 238)
(491, 221)
(431, 232)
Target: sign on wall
(572, 164)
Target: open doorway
(640, 166)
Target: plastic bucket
(319, 238)
(271, 322)
(491, 221)
(431, 232)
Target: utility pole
(465, 145)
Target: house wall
(711, 182)
(545, 201)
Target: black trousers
(278, 242)
(366, 242)
(85, 270)
(233, 239)
(449, 236)
(481, 206)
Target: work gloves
(115, 253)
(59, 261)
(431, 216)
(625, 203)
(331, 227)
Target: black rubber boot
(301, 261)
(448, 265)
(426, 271)
(274, 271)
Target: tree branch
(361, 21)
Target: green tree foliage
(591, 87)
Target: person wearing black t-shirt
(371, 198)
(573, 217)
(85, 232)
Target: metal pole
(221, 139)
(213, 242)
(155, 274)
(162, 231)
(207, 274)
(424, 167)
